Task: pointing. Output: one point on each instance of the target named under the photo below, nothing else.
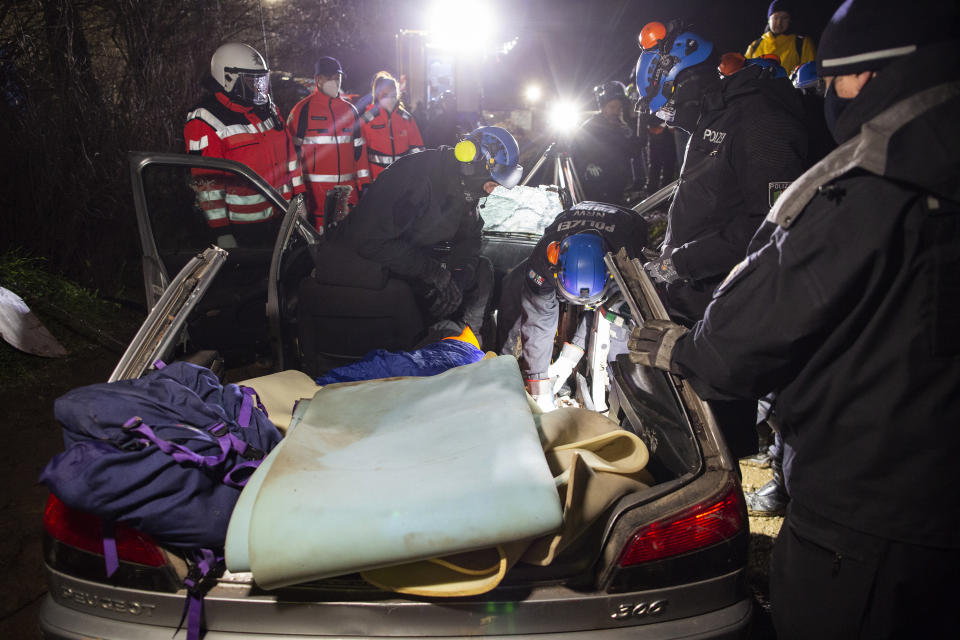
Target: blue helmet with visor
(805, 76)
(496, 151)
(666, 52)
(581, 274)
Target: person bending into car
(566, 265)
(419, 220)
(849, 313)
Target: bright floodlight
(565, 116)
(464, 27)
(533, 93)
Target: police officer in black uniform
(566, 265)
(605, 147)
(419, 220)
(748, 143)
(850, 313)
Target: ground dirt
(28, 387)
(763, 531)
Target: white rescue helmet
(242, 72)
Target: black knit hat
(780, 5)
(865, 35)
(327, 66)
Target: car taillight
(697, 527)
(85, 531)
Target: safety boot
(771, 499)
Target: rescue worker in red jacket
(329, 138)
(389, 131)
(237, 120)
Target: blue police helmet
(805, 75)
(501, 155)
(659, 65)
(771, 68)
(496, 150)
(582, 276)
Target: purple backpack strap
(111, 560)
(246, 407)
(205, 569)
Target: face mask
(833, 106)
(331, 88)
(683, 109)
(388, 102)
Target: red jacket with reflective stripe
(329, 137)
(389, 136)
(221, 128)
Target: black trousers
(827, 581)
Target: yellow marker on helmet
(465, 151)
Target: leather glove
(542, 394)
(447, 296)
(652, 344)
(662, 270)
(562, 367)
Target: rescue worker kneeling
(566, 265)
(419, 222)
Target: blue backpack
(166, 454)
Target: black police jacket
(607, 148)
(851, 313)
(749, 144)
(417, 203)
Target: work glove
(652, 344)
(542, 393)
(662, 270)
(227, 241)
(594, 170)
(561, 368)
(446, 295)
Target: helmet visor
(252, 86)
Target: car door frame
(155, 276)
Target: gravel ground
(763, 531)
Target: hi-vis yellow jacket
(793, 50)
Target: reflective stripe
(224, 131)
(256, 198)
(320, 177)
(358, 142)
(237, 129)
(297, 181)
(870, 55)
(363, 173)
(327, 139)
(207, 195)
(215, 214)
(249, 217)
(199, 145)
(380, 159)
(292, 165)
(206, 116)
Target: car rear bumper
(59, 622)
